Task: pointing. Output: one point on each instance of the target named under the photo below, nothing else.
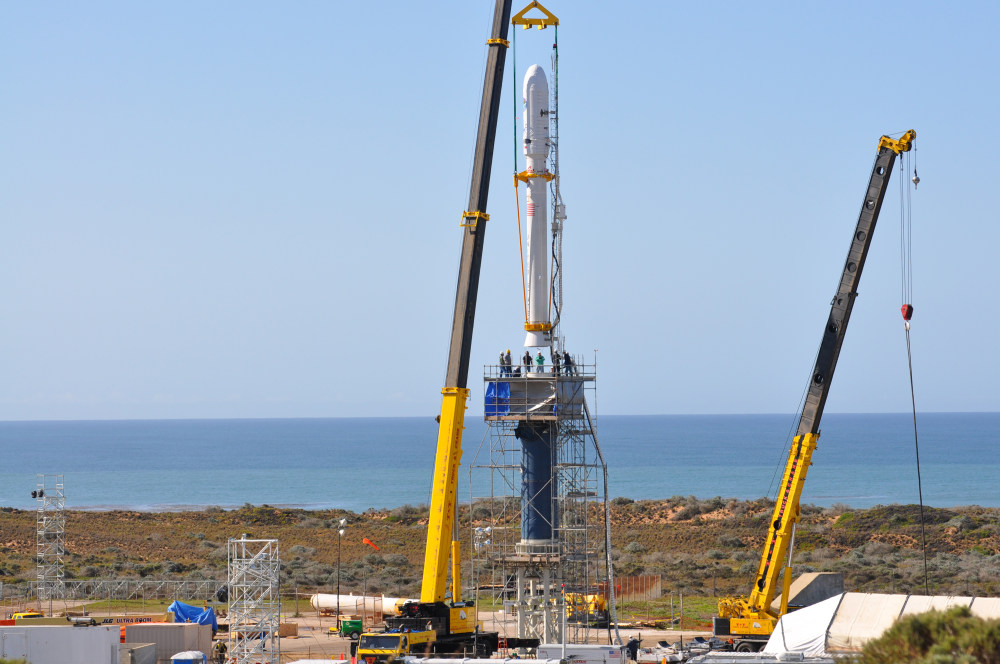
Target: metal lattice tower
(539, 583)
(50, 535)
(254, 602)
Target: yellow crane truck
(441, 622)
(748, 621)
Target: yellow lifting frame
(538, 327)
(442, 516)
(540, 23)
(524, 176)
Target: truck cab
(379, 647)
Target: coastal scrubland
(702, 548)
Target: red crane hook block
(907, 311)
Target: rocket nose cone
(534, 70)
(535, 78)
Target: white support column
(547, 616)
(522, 606)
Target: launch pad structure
(541, 529)
(539, 505)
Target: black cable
(916, 447)
(906, 264)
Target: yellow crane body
(753, 614)
(748, 621)
(441, 523)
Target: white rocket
(359, 604)
(536, 152)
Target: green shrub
(844, 519)
(928, 638)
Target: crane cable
(906, 292)
(555, 261)
(517, 193)
(520, 248)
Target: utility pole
(340, 536)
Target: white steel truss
(254, 602)
(50, 538)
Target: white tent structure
(804, 630)
(846, 622)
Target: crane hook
(915, 178)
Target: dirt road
(314, 640)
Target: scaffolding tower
(560, 588)
(50, 541)
(254, 601)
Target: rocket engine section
(536, 152)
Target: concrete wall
(138, 653)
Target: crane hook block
(907, 311)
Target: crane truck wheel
(354, 636)
(746, 646)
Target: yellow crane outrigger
(749, 621)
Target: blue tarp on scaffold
(193, 614)
(497, 399)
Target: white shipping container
(53, 644)
(590, 654)
(171, 638)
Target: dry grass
(699, 547)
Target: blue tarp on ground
(497, 399)
(194, 614)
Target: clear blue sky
(247, 209)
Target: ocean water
(360, 463)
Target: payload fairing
(536, 152)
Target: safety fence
(15, 597)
